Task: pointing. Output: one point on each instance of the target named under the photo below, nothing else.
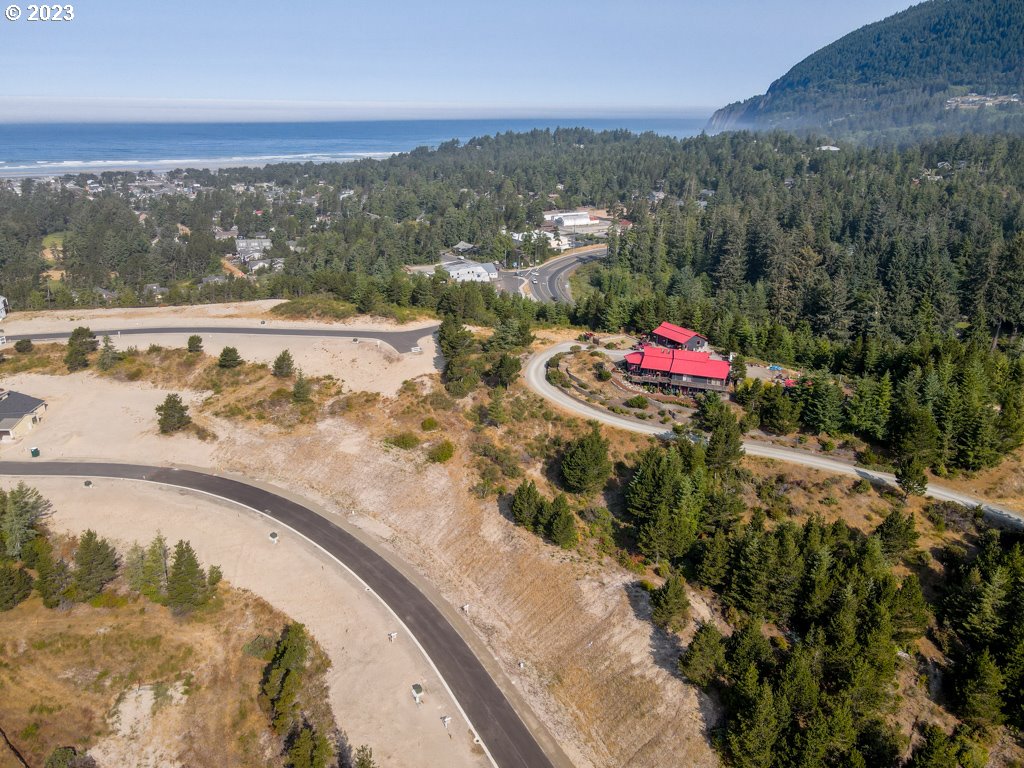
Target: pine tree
(364, 758)
(714, 560)
(897, 534)
(186, 581)
(525, 506)
(173, 414)
(109, 356)
(453, 338)
(754, 731)
(981, 693)
(229, 358)
(302, 390)
(562, 524)
(936, 751)
(910, 611)
(154, 570)
(15, 585)
(585, 463)
(134, 567)
(704, 658)
(284, 365)
(725, 446)
(282, 678)
(54, 580)
(195, 343)
(21, 509)
(95, 566)
(670, 605)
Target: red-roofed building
(677, 369)
(673, 337)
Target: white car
(534, 280)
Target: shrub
(442, 452)
(284, 365)
(603, 374)
(637, 401)
(195, 343)
(173, 414)
(404, 440)
(429, 424)
(23, 346)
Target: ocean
(49, 149)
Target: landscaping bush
(637, 401)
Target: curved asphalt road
(553, 281)
(400, 341)
(508, 741)
(536, 379)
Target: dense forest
(899, 72)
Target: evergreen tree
(779, 413)
(910, 611)
(453, 338)
(173, 414)
(585, 463)
(109, 356)
(154, 570)
(897, 533)
(95, 566)
(283, 677)
(21, 510)
(195, 343)
(704, 658)
(15, 585)
(754, 730)
(981, 693)
(506, 369)
(936, 751)
(229, 358)
(54, 580)
(910, 475)
(714, 560)
(562, 524)
(134, 567)
(364, 758)
(302, 390)
(284, 365)
(525, 506)
(670, 604)
(725, 446)
(186, 581)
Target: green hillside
(901, 73)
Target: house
(5, 307)
(465, 271)
(673, 337)
(677, 370)
(462, 248)
(213, 280)
(155, 290)
(19, 413)
(105, 295)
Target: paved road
(537, 381)
(507, 739)
(400, 341)
(553, 276)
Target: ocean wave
(58, 167)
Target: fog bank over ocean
(49, 149)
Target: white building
(4, 307)
(568, 219)
(465, 271)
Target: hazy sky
(360, 59)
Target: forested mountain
(899, 73)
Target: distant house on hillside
(5, 307)
(155, 291)
(676, 337)
(18, 414)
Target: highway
(553, 275)
(507, 740)
(536, 379)
(400, 341)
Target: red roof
(679, 362)
(674, 333)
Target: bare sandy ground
(366, 367)
(371, 678)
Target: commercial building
(19, 413)
(465, 271)
(676, 337)
(677, 370)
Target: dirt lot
(370, 679)
(361, 367)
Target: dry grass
(63, 673)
